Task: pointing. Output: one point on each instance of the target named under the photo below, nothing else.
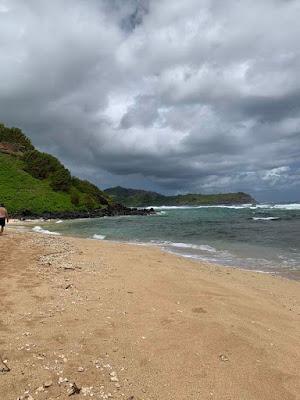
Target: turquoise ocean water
(263, 238)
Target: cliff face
(142, 198)
(11, 148)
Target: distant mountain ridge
(144, 198)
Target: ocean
(264, 238)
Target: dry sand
(132, 322)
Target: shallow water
(262, 238)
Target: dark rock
(110, 211)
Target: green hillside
(143, 198)
(20, 191)
(32, 182)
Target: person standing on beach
(3, 217)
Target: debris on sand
(68, 286)
(27, 396)
(223, 357)
(4, 368)
(74, 389)
(113, 377)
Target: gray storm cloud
(199, 95)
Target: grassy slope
(20, 191)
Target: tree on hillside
(44, 166)
(60, 180)
(90, 189)
(41, 165)
(15, 136)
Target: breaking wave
(99, 237)
(237, 207)
(293, 206)
(39, 229)
(202, 247)
(265, 218)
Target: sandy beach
(131, 322)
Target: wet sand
(132, 322)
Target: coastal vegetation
(33, 182)
(143, 198)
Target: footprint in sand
(199, 310)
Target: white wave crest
(99, 237)
(202, 247)
(265, 218)
(39, 229)
(170, 207)
(294, 206)
(237, 207)
(59, 221)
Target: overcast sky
(168, 95)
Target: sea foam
(39, 229)
(236, 207)
(99, 237)
(265, 218)
(201, 247)
(293, 206)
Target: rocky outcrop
(11, 148)
(110, 211)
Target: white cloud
(174, 95)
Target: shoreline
(133, 322)
(290, 275)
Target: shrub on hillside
(75, 198)
(60, 180)
(41, 165)
(89, 202)
(15, 136)
(90, 189)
